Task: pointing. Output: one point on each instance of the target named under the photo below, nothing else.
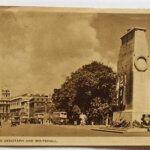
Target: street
(59, 131)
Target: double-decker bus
(59, 118)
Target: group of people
(83, 119)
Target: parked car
(15, 121)
(34, 121)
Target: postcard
(74, 77)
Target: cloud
(38, 50)
(68, 42)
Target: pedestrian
(0, 123)
(83, 119)
(75, 122)
(107, 120)
(92, 122)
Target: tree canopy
(91, 88)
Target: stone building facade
(5, 105)
(15, 106)
(39, 105)
(29, 106)
(20, 107)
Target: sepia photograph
(74, 77)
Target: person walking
(83, 119)
(0, 123)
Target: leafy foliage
(76, 113)
(50, 108)
(91, 88)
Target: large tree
(90, 87)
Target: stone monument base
(128, 115)
(120, 130)
(136, 130)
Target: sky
(39, 49)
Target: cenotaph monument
(133, 92)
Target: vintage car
(24, 120)
(15, 121)
(34, 121)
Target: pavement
(120, 129)
(62, 131)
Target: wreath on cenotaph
(146, 63)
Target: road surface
(59, 130)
